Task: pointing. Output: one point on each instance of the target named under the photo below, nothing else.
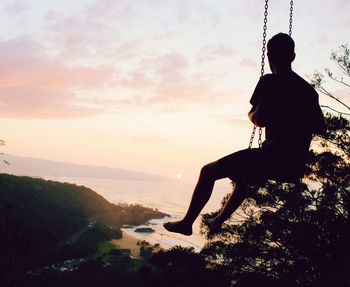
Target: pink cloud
(73, 36)
(252, 9)
(162, 71)
(232, 121)
(165, 79)
(168, 83)
(248, 63)
(29, 102)
(122, 13)
(170, 67)
(24, 62)
(163, 35)
(340, 5)
(94, 33)
(17, 7)
(183, 11)
(35, 85)
(212, 52)
(173, 83)
(137, 80)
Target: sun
(178, 176)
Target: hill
(38, 217)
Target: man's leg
(237, 165)
(202, 192)
(235, 199)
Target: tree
(146, 249)
(296, 234)
(182, 266)
(341, 58)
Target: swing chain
(263, 59)
(264, 39)
(259, 139)
(252, 137)
(290, 17)
(262, 71)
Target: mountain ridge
(31, 166)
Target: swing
(291, 177)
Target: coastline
(166, 239)
(170, 197)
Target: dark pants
(247, 163)
(257, 165)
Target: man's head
(280, 51)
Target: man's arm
(256, 116)
(260, 111)
(318, 123)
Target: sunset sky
(159, 86)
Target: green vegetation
(44, 222)
(87, 243)
(105, 247)
(147, 250)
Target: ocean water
(171, 197)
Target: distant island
(144, 230)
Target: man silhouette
(287, 106)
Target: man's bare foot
(178, 227)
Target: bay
(170, 197)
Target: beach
(128, 242)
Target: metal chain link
(262, 71)
(263, 49)
(252, 137)
(260, 140)
(291, 17)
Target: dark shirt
(289, 109)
